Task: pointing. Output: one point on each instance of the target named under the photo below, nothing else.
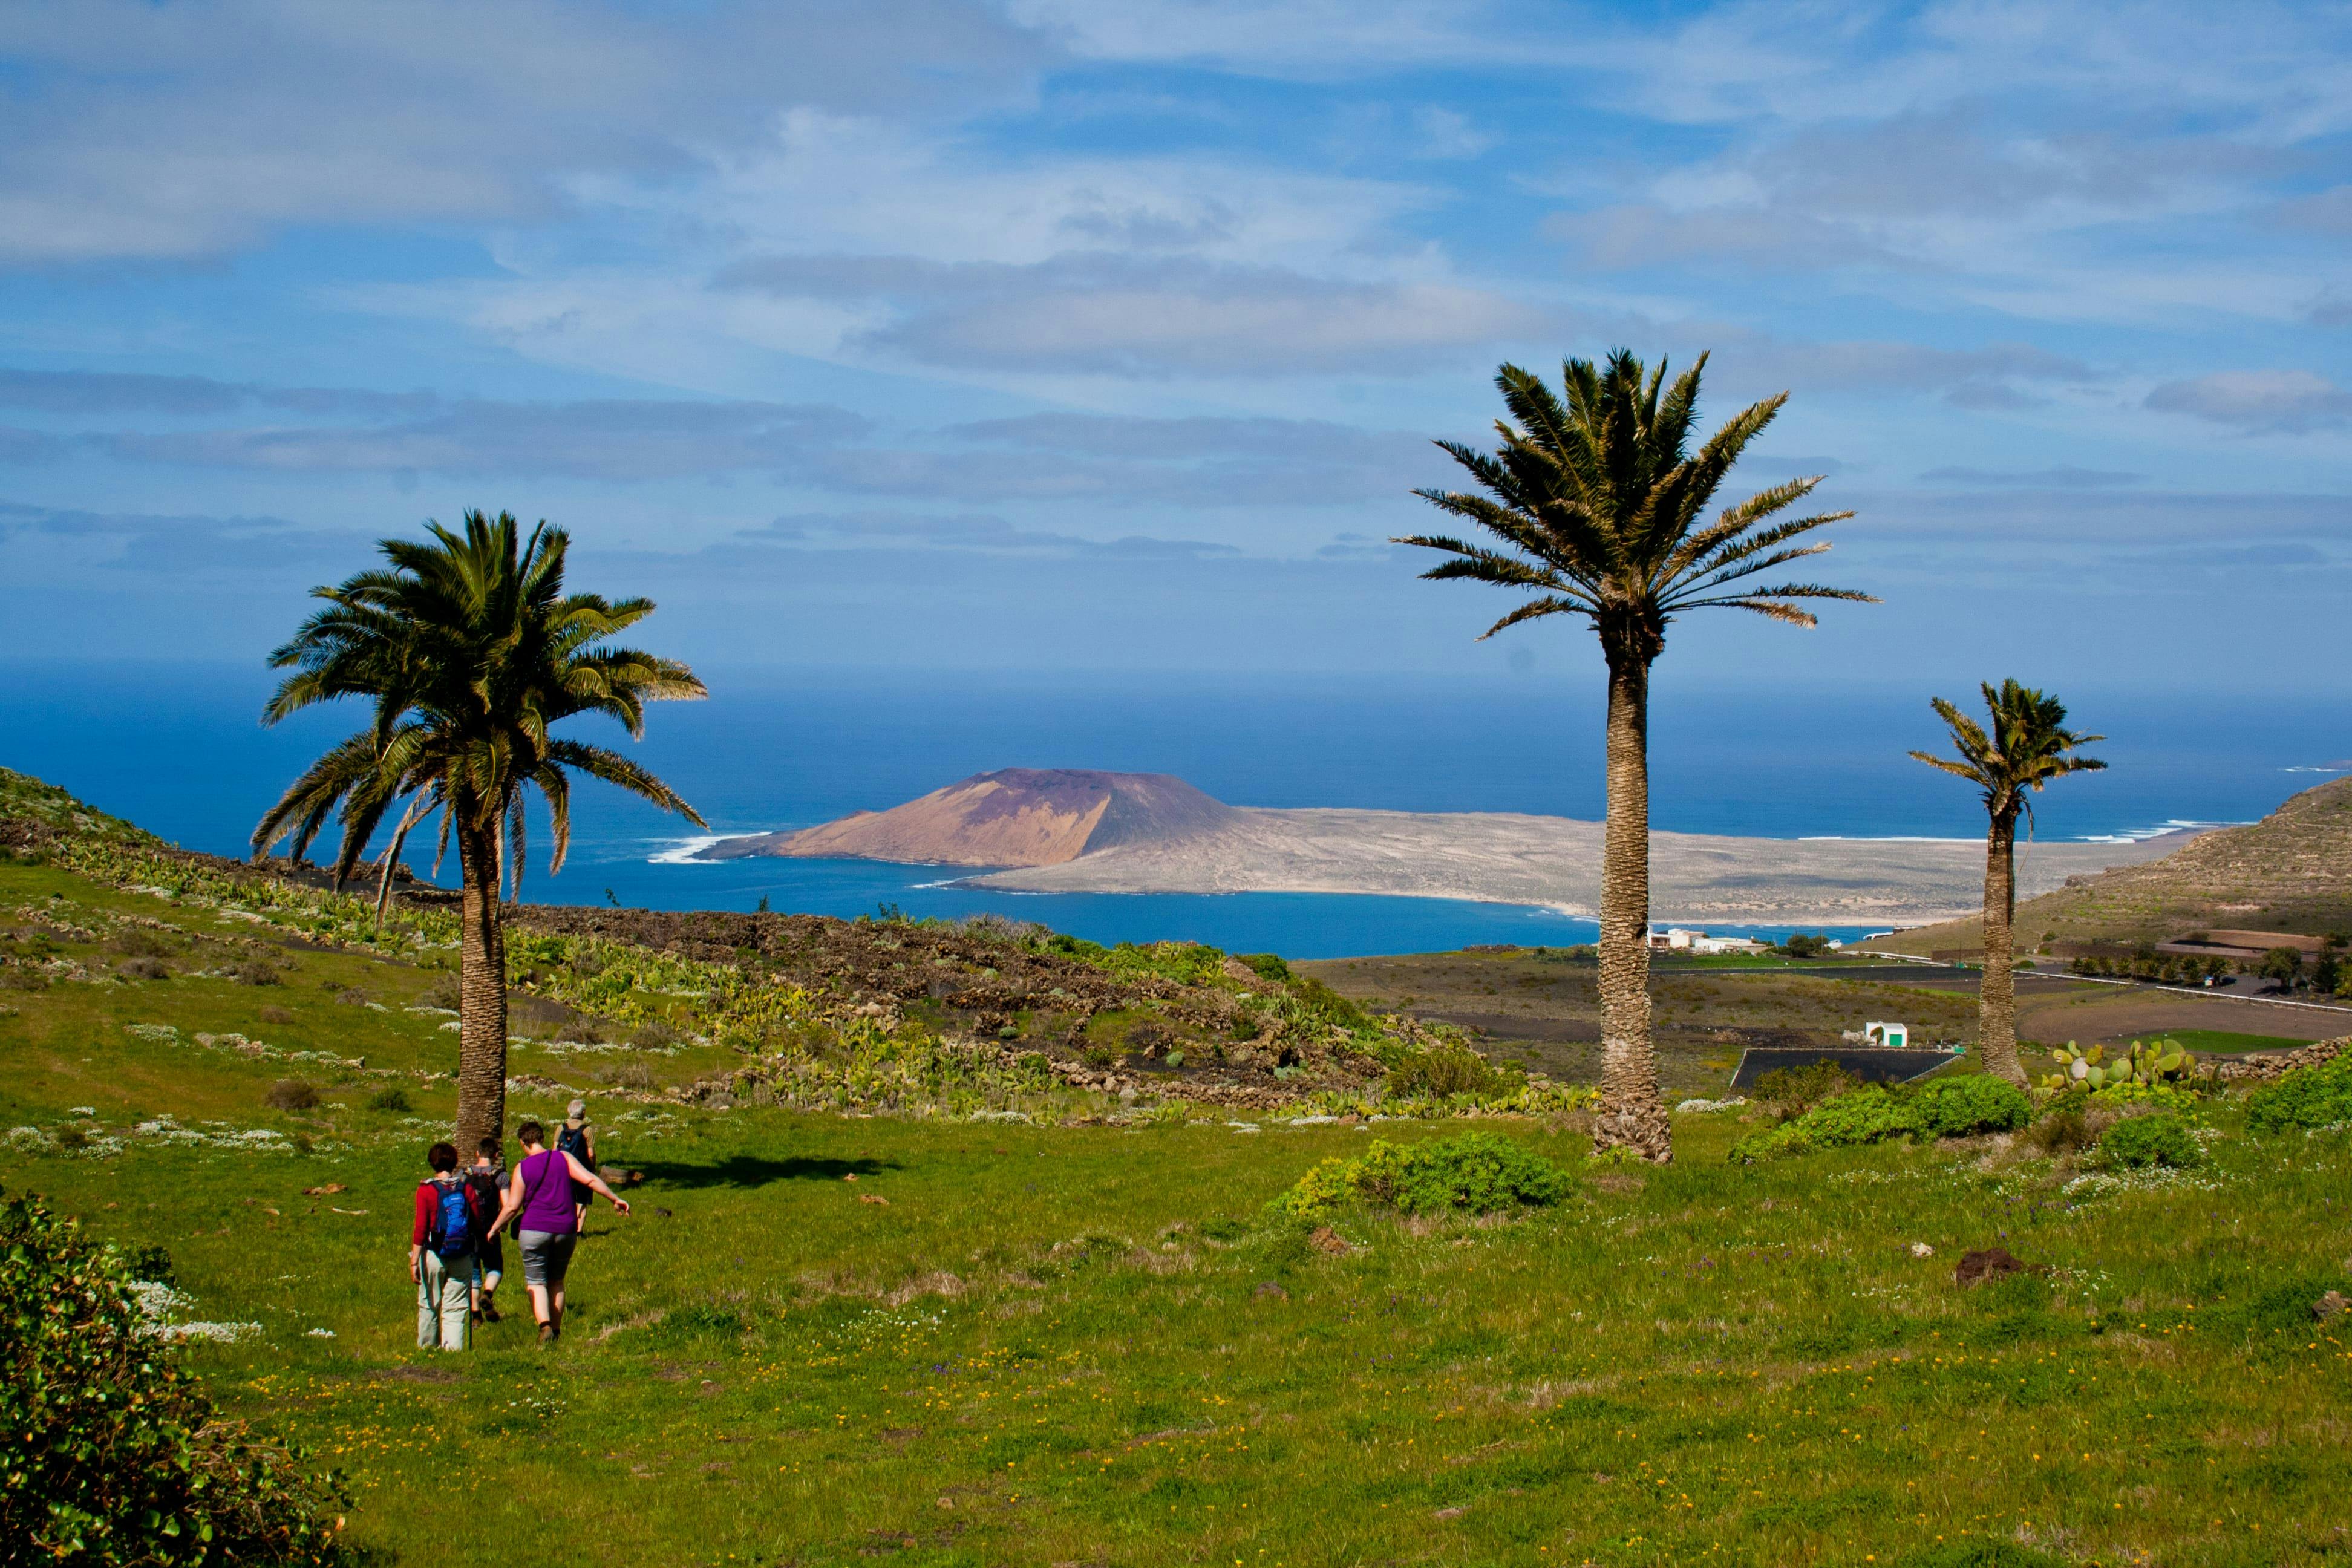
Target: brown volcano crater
(1013, 816)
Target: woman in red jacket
(449, 1225)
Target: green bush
(2317, 1096)
(1268, 966)
(394, 1099)
(1965, 1106)
(1443, 1073)
(1947, 1107)
(2140, 1142)
(111, 1453)
(1477, 1171)
(1319, 1005)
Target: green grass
(2225, 1040)
(1055, 1344)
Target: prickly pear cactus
(2143, 1063)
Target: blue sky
(1071, 332)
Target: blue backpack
(451, 1230)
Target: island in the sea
(1066, 830)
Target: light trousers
(444, 1319)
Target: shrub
(2168, 1096)
(293, 1094)
(1802, 944)
(2140, 1142)
(2064, 1130)
(393, 1098)
(255, 973)
(1267, 967)
(2318, 1096)
(442, 992)
(112, 1451)
(1321, 1005)
(141, 969)
(1477, 1171)
(1792, 1092)
(1947, 1107)
(1965, 1106)
(1443, 1073)
(138, 944)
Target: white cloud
(1103, 314)
(143, 131)
(2288, 402)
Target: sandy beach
(1556, 861)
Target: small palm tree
(2029, 746)
(471, 652)
(1597, 500)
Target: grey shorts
(546, 1256)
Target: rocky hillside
(1015, 817)
(974, 1016)
(2292, 871)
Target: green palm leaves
(471, 652)
(2029, 746)
(1598, 506)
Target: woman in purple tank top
(539, 1200)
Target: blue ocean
(181, 751)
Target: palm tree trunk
(1631, 1115)
(481, 992)
(1996, 998)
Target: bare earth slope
(1064, 830)
(2292, 871)
(1015, 817)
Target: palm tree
(2029, 745)
(471, 652)
(1597, 502)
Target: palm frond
(1595, 503)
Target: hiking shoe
(490, 1314)
(546, 1333)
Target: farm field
(1532, 1006)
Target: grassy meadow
(839, 1338)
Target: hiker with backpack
(546, 1222)
(488, 1180)
(441, 1241)
(577, 1139)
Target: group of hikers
(455, 1255)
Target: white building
(1675, 939)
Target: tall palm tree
(1597, 503)
(2029, 746)
(471, 652)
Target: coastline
(1554, 863)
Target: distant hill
(2292, 871)
(1015, 817)
(1045, 830)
